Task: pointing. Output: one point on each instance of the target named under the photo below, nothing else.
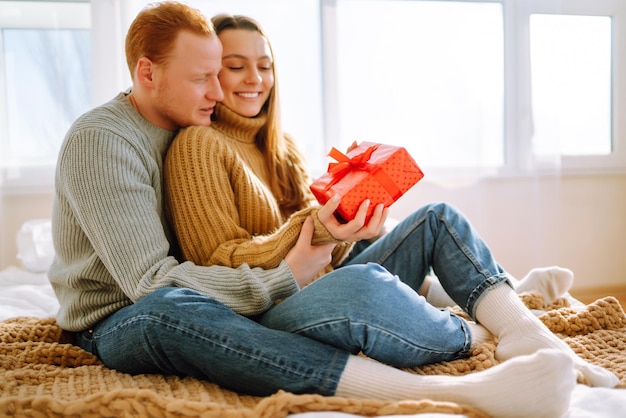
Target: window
(426, 74)
(571, 84)
(488, 87)
(27, 161)
(500, 87)
(47, 73)
(45, 79)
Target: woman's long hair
(289, 180)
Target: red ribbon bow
(346, 164)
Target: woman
(237, 193)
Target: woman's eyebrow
(243, 56)
(234, 56)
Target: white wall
(575, 222)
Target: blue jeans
(302, 344)
(440, 238)
(177, 331)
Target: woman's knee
(441, 209)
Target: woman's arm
(222, 212)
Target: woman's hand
(306, 260)
(356, 229)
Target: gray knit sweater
(112, 243)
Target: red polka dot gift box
(379, 172)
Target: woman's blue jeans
(302, 344)
(440, 238)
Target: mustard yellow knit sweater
(218, 201)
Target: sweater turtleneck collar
(237, 127)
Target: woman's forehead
(244, 43)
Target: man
(141, 311)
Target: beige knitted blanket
(41, 376)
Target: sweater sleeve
(267, 251)
(321, 234)
(110, 240)
(212, 194)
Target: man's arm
(113, 189)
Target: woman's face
(247, 74)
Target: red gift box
(379, 172)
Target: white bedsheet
(24, 293)
(586, 402)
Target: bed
(43, 375)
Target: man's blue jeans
(302, 344)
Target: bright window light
(571, 84)
(423, 74)
(48, 85)
(45, 84)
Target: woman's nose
(253, 77)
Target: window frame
(518, 106)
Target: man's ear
(143, 72)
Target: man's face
(186, 89)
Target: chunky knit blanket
(43, 376)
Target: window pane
(48, 84)
(426, 75)
(571, 84)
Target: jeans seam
(490, 280)
(406, 232)
(302, 331)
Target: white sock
(538, 385)
(479, 333)
(436, 295)
(519, 332)
(551, 282)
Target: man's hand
(355, 230)
(306, 260)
